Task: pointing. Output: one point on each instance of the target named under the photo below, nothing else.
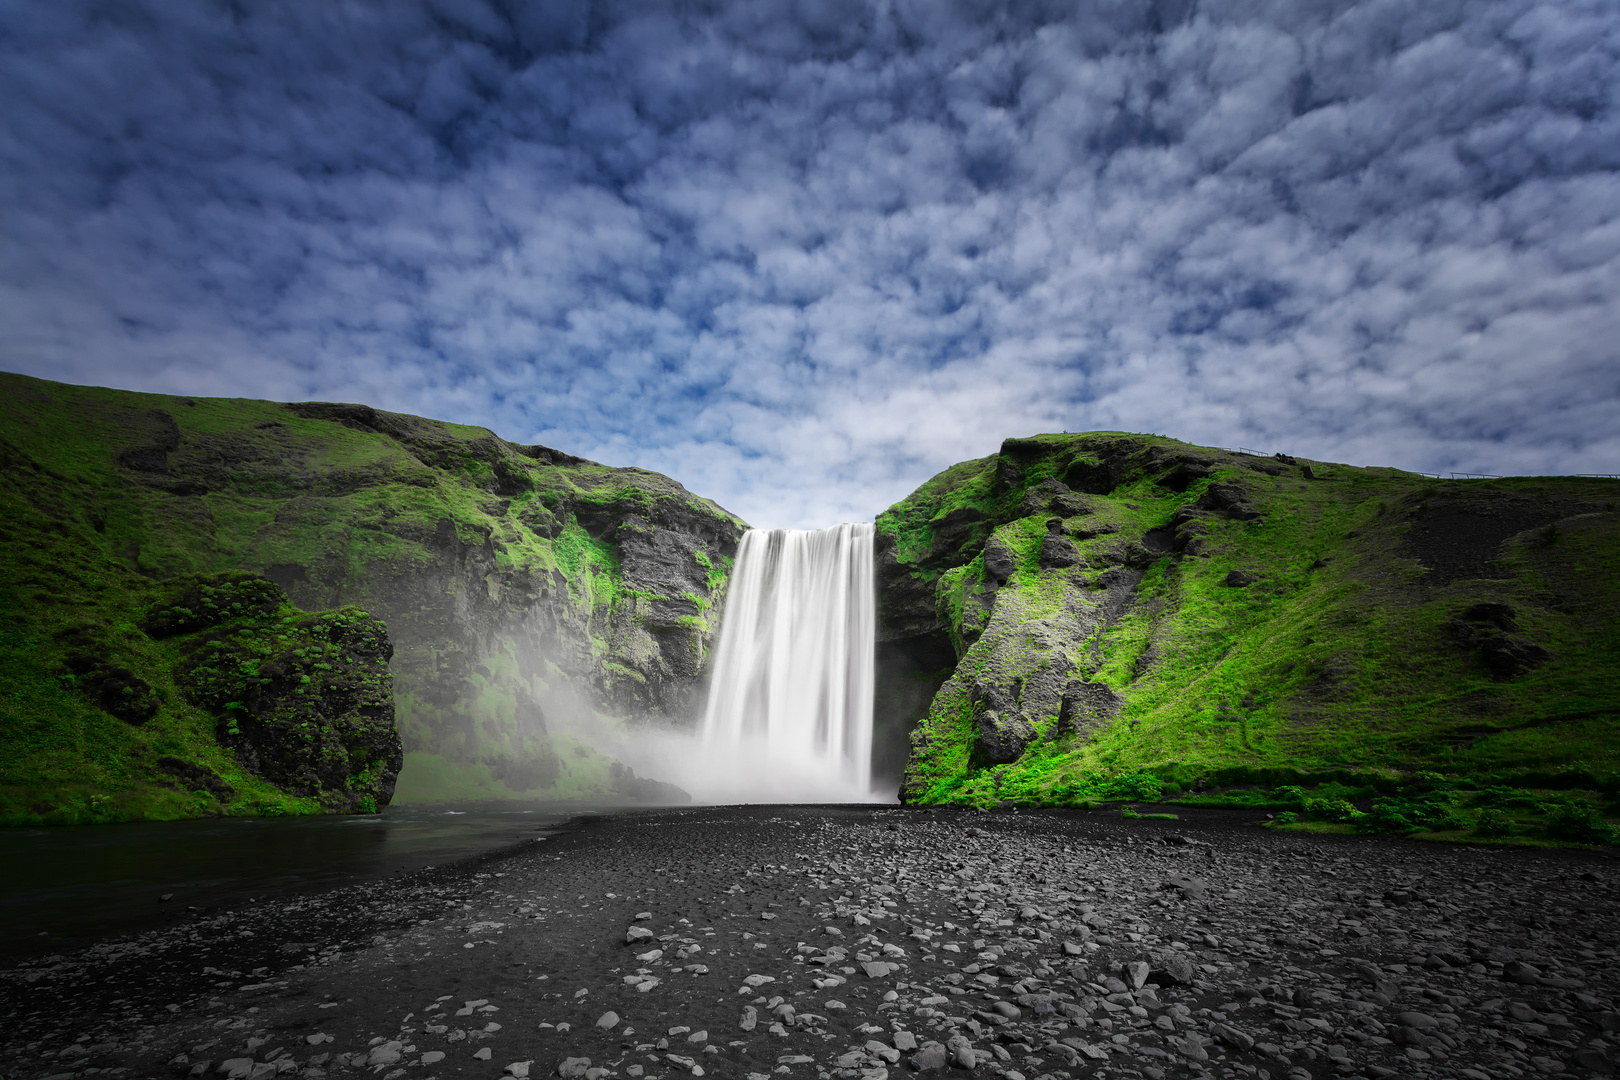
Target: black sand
(1013, 945)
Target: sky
(803, 255)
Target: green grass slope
(1229, 618)
(123, 698)
(528, 594)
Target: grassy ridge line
(498, 568)
(1338, 655)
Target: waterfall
(790, 707)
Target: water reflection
(66, 885)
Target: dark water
(63, 886)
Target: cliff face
(1080, 607)
(530, 596)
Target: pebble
(1042, 944)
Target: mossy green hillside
(525, 590)
(1125, 604)
(127, 699)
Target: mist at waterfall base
(790, 696)
(789, 713)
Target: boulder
(1519, 972)
(1085, 707)
(1229, 498)
(1171, 969)
(999, 561)
(1002, 736)
(1039, 498)
(1191, 888)
(1059, 550)
(1186, 474)
(1508, 657)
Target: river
(64, 886)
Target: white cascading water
(790, 708)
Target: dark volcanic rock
(521, 586)
(1086, 706)
(626, 782)
(1103, 467)
(204, 601)
(1498, 615)
(1059, 550)
(1002, 737)
(305, 701)
(756, 937)
(1188, 473)
(1229, 498)
(116, 689)
(1508, 657)
(999, 561)
(190, 774)
(1053, 497)
(1144, 618)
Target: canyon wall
(1076, 610)
(539, 606)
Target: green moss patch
(1265, 617)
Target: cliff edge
(1080, 608)
(537, 606)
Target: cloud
(803, 255)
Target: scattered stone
(1518, 972)
(1191, 888)
(389, 1053)
(1026, 944)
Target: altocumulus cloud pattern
(803, 254)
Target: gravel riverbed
(867, 943)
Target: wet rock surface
(869, 942)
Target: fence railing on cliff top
(1434, 475)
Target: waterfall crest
(790, 708)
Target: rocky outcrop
(526, 590)
(539, 606)
(1492, 629)
(302, 700)
(1116, 602)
